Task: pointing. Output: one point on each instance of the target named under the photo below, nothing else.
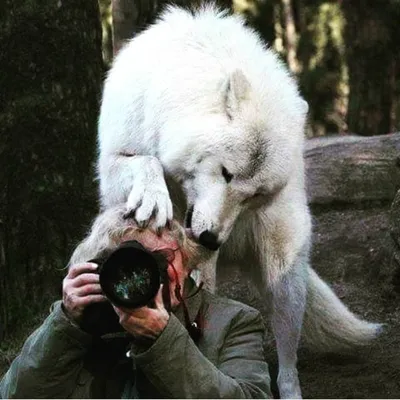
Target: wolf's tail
(328, 324)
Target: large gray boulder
(352, 182)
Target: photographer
(186, 343)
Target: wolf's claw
(149, 207)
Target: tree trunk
(107, 32)
(52, 66)
(371, 36)
(260, 14)
(131, 17)
(290, 36)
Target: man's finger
(138, 313)
(85, 279)
(158, 300)
(117, 310)
(88, 289)
(93, 298)
(78, 269)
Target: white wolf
(196, 108)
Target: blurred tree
(261, 15)
(127, 17)
(290, 36)
(308, 36)
(51, 68)
(372, 35)
(132, 16)
(323, 72)
(106, 24)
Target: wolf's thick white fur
(198, 114)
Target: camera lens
(130, 277)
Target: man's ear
(236, 89)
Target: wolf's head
(240, 156)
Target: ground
(372, 372)
(369, 372)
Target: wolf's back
(188, 56)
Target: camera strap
(194, 328)
(166, 295)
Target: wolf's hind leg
(288, 305)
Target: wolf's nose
(209, 240)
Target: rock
(395, 234)
(352, 169)
(352, 182)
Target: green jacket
(59, 360)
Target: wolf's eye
(227, 176)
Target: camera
(131, 275)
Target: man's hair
(110, 228)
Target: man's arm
(50, 360)
(178, 369)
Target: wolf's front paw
(149, 203)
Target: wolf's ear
(237, 89)
(304, 106)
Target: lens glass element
(130, 277)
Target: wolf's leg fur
(208, 272)
(288, 306)
(139, 180)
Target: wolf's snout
(209, 240)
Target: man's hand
(81, 287)
(145, 322)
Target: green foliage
(260, 14)
(323, 78)
(347, 59)
(106, 24)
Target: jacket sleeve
(49, 362)
(178, 369)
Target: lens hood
(130, 275)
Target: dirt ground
(368, 373)
(371, 372)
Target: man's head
(110, 229)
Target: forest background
(53, 59)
